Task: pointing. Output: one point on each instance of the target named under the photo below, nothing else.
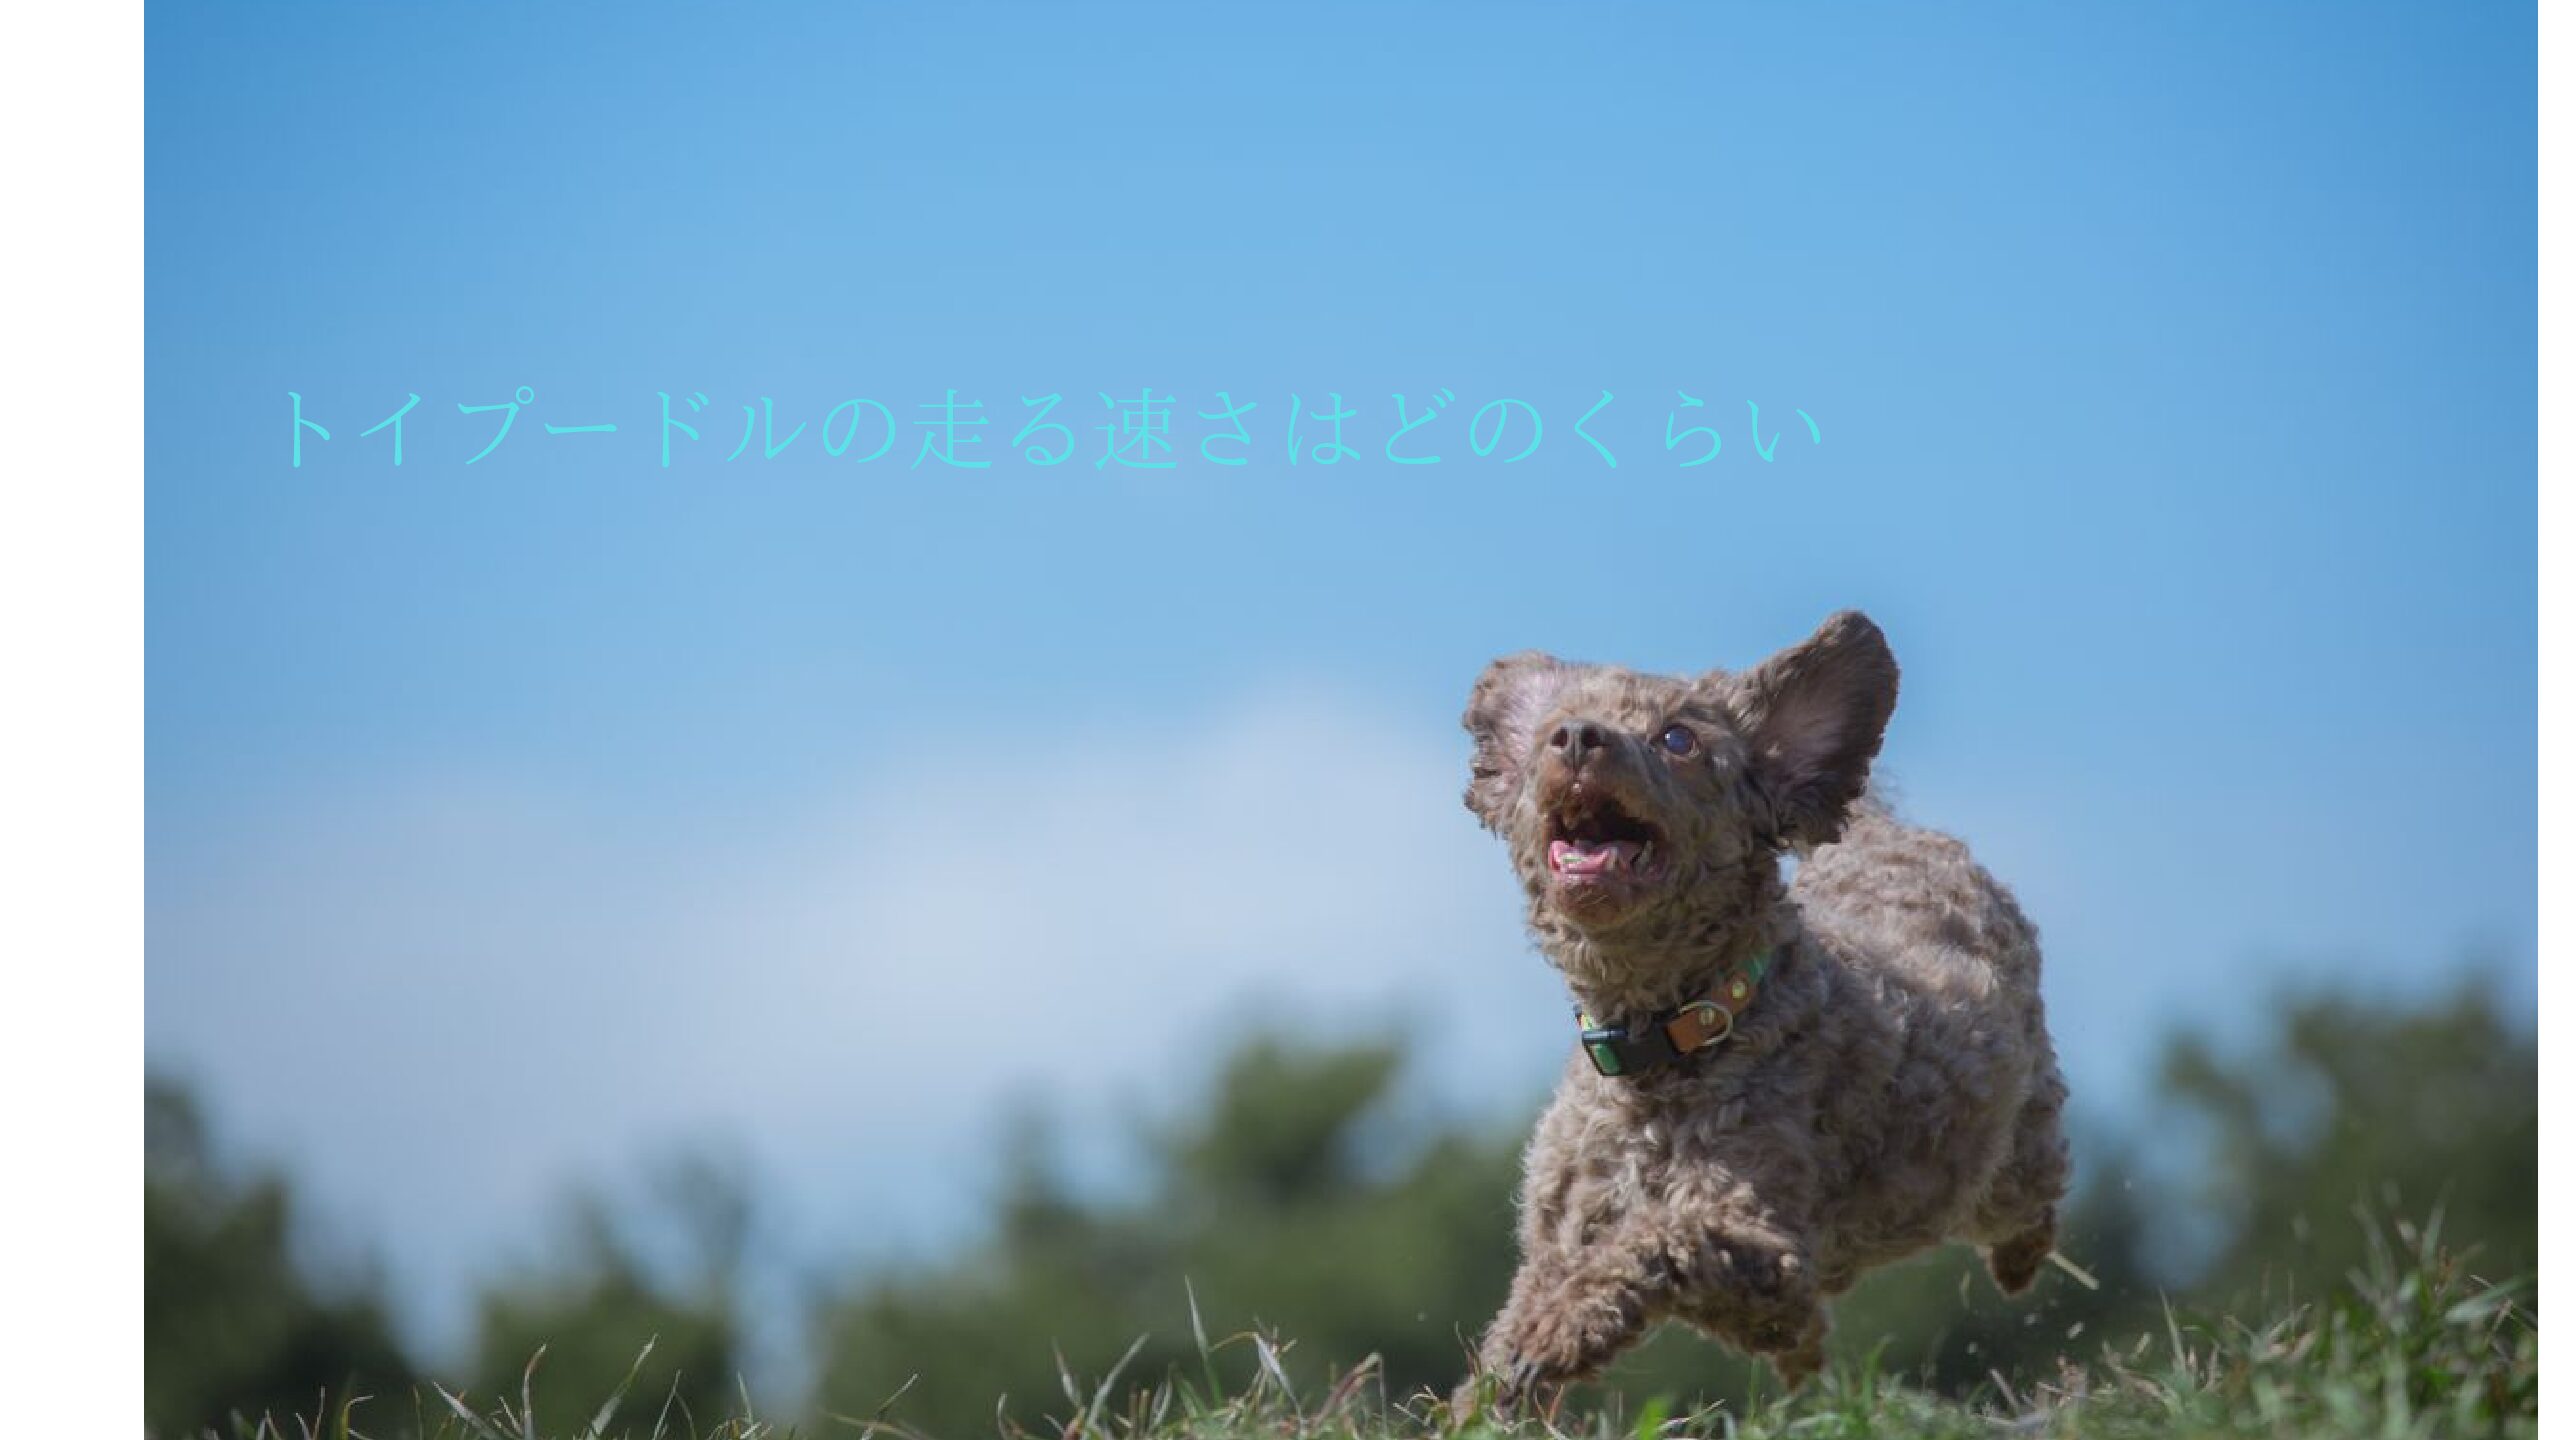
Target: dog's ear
(1814, 716)
(1510, 696)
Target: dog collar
(1664, 1036)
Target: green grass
(2417, 1347)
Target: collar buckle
(1698, 1025)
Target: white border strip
(71, 629)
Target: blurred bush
(2406, 1108)
(230, 1321)
(1273, 1205)
(590, 1315)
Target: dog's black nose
(1578, 738)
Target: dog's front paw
(1522, 1388)
(1548, 1340)
(1760, 1296)
(1802, 1362)
(1783, 1311)
(1502, 1389)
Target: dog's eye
(1677, 740)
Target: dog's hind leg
(2018, 1221)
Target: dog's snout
(1576, 739)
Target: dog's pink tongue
(1570, 859)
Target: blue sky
(511, 822)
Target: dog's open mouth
(1595, 838)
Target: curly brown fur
(1891, 1088)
